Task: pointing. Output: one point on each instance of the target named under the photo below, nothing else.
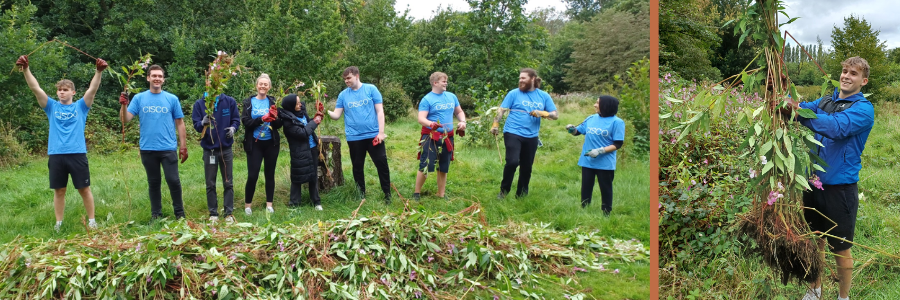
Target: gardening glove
(272, 115)
(596, 152)
(495, 128)
(317, 119)
(229, 132)
(539, 113)
(434, 126)
(320, 108)
(101, 65)
(571, 129)
(461, 129)
(183, 154)
(22, 62)
(123, 98)
(378, 139)
(205, 121)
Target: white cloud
(819, 17)
(419, 9)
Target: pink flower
(752, 173)
(616, 271)
(815, 182)
(412, 275)
(773, 196)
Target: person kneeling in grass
(66, 148)
(604, 135)
(300, 133)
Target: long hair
(533, 74)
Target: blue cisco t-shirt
(440, 108)
(360, 119)
(157, 114)
(66, 127)
(259, 108)
(600, 132)
(521, 104)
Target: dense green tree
(857, 38)
(687, 38)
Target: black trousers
(222, 161)
(358, 150)
(520, 152)
(259, 151)
(604, 179)
(296, 187)
(152, 160)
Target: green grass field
(120, 191)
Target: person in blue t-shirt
(66, 148)
(842, 125)
(364, 127)
(160, 116)
(217, 154)
(436, 111)
(527, 105)
(604, 134)
(261, 141)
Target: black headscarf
(609, 106)
(289, 102)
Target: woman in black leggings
(261, 140)
(603, 133)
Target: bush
(634, 104)
(12, 152)
(485, 100)
(397, 103)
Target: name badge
(212, 159)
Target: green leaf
(767, 167)
(802, 181)
(764, 149)
(835, 83)
(813, 139)
(807, 113)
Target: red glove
(101, 65)
(434, 126)
(320, 107)
(22, 61)
(123, 99)
(183, 154)
(272, 115)
(375, 141)
(317, 119)
(460, 132)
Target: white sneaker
(270, 210)
(57, 226)
(812, 294)
(248, 211)
(92, 224)
(213, 219)
(318, 207)
(229, 219)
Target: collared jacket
(226, 115)
(842, 126)
(251, 123)
(303, 162)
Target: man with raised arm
(66, 148)
(160, 116)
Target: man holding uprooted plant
(364, 127)
(844, 120)
(527, 104)
(160, 116)
(66, 148)
(217, 154)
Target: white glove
(595, 152)
(229, 132)
(205, 120)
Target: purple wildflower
(412, 275)
(418, 294)
(773, 196)
(148, 278)
(752, 173)
(496, 297)
(281, 245)
(616, 271)
(430, 258)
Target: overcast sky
(819, 17)
(419, 9)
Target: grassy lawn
(120, 191)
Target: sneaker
(501, 195)
(812, 294)
(318, 207)
(270, 209)
(57, 226)
(248, 211)
(229, 219)
(387, 199)
(416, 196)
(92, 224)
(213, 219)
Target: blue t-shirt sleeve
(340, 101)
(51, 104)
(619, 134)
(508, 100)
(176, 108)
(548, 103)
(455, 102)
(376, 95)
(83, 108)
(582, 128)
(134, 106)
(424, 105)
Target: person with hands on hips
(66, 148)
(262, 141)
(217, 153)
(527, 104)
(604, 134)
(160, 117)
(436, 111)
(364, 127)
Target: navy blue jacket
(226, 115)
(842, 126)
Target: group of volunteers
(160, 116)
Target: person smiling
(843, 121)
(66, 147)
(261, 141)
(160, 116)
(604, 135)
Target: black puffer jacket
(303, 164)
(250, 123)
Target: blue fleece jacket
(226, 115)
(843, 133)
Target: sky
(819, 17)
(420, 9)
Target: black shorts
(430, 154)
(840, 204)
(62, 165)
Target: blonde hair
(65, 83)
(263, 76)
(437, 76)
(857, 61)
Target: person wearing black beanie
(299, 130)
